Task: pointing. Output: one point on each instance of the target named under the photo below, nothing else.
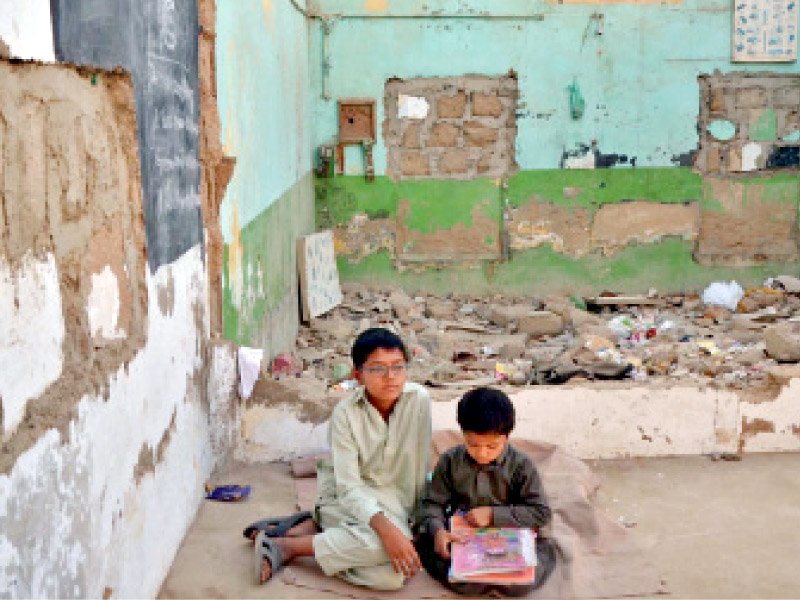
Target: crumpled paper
(249, 369)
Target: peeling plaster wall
(262, 68)
(105, 395)
(633, 142)
(638, 78)
(74, 519)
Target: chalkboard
(156, 41)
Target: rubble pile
(465, 341)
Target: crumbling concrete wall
(106, 440)
(262, 68)
(749, 122)
(605, 148)
(466, 129)
(749, 151)
(750, 221)
(216, 166)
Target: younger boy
(380, 443)
(494, 484)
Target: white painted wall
(26, 26)
(590, 421)
(103, 306)
(276, 433)
(73, 520)
(31, 334)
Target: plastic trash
(708, 347)
(722, 293)
(621, 325)
(284, 365)
(346, 385)
(249, 369)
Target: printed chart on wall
(765, 30)
(319, 277)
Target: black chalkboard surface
(156, 41)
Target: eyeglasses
(384, 370)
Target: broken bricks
(463, 341)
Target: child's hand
(443, 539)
(401, 551)
(480, 517)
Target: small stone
(542, 322)
(401, 303)
(783, 341)
(782, 374)
(441, 309)
(789, 284)
(502, 316)
(512, 350)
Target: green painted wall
(434, 204)
(263, 79)
(667, 266)
(265, 314)
(595, 187)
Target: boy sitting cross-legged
(380, 442)
(490, 481)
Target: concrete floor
(718, 529)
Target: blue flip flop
(277, 526)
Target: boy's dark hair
(485, 410)
(373, 338)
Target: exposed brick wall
(216, 168)
(764, 108)
(469, 131)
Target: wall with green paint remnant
(642, 115)
(264, 101)
(587, 239)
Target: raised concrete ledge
(598, 420)
(614, 422)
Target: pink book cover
(493, 554)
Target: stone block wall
(468, 129)
(749, 122)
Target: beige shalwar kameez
(375, 466)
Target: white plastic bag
(724, 294)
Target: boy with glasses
(380, 442)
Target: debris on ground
(726, 337)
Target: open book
(500, 555)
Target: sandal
(278, 526)
(266, 548)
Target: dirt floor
(717, 529)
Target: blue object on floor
(228, 493)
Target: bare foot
(266, 571)
(266, 566)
